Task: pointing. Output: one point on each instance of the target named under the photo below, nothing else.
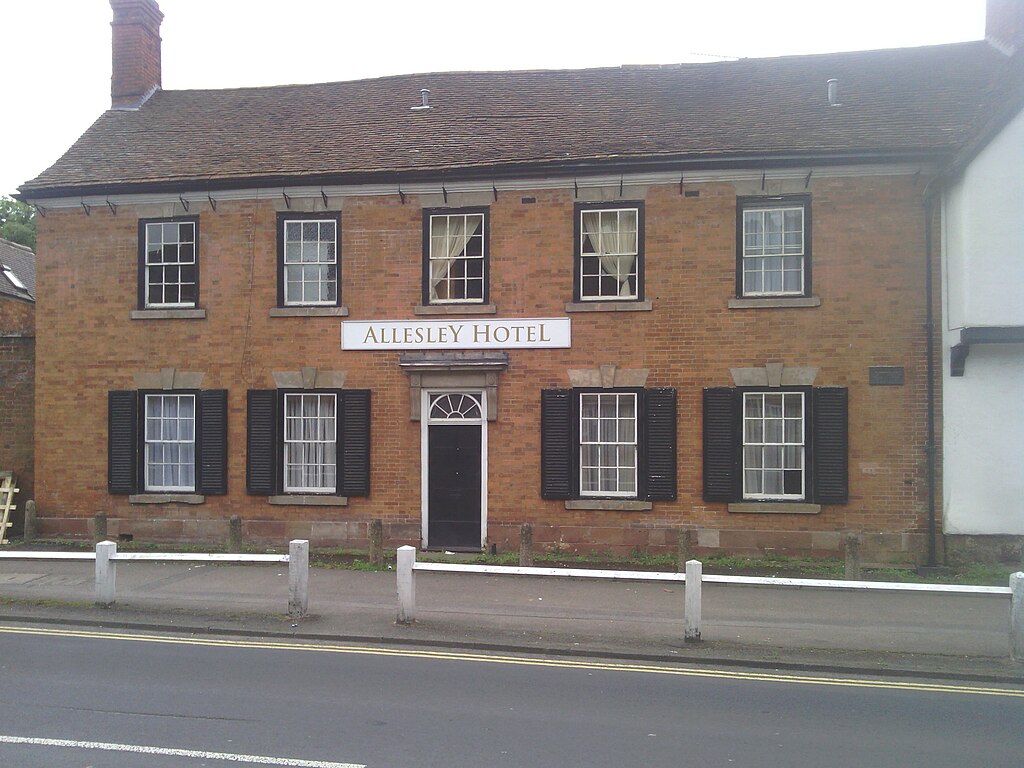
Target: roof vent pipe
(424, 98)
(833, 93)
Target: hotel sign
(513, 333)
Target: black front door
(453, 486)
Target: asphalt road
(321, 705)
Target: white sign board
(513, 333)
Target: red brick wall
(17, 396)
(867, 268)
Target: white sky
(56, 53)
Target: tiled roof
(22, 262)
(900, 101)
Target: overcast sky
(56, 54)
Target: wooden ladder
(7, 491)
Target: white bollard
(106, 573)
(298, 578)
(406, 584)
(1017, 616)
(691, 606)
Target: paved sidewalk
(919, 634)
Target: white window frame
(148, 265)
(764, 445)
(320, 443)
(323, 264)
(760, 254)
(438, 261)
(614, 253)
(150, 441)
(617, 443)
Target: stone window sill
(775, 508)
(768, 302)
(309, 500)
(455, 309)
(609, 306)
(166, 498)
(309, 311)
(167, 314)
(610, 505)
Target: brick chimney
(1004, 25)
(135, 74)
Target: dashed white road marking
(196, 754)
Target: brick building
(17, 366)
(608, 302)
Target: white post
(298, 578)
(106, 572)
(406, 584)
(691, 606)
(1017, 616)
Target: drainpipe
(929, 339)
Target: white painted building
(983, 319)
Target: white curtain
(451, 233)
(617, 249)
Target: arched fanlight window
(455, 406)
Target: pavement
(931, 636)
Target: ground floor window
(608, 456)
(776, 445)
(167, 441)
(615, 443)
(773, 445)
(310, 443)
(170, 443)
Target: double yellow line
(529, 661)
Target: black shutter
(556, 448)
(660, 442)
(261, 442)
(354, 442)
(213, 441)
(721, 444)
(122, 441)
(831, 470)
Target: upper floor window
(307, 248)
(169, 263)
(774, 246)
(609, 252)
(455, 256)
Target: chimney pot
(135, 38)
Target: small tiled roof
(908, 101)
(22, 262)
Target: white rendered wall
(983, 281)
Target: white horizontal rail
(106, 558)
(694, 578)
(200, 557)
(861, 586)
(508, 570)
(47, 555)
(759, 581)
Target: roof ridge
(573, 70)
(13, 244)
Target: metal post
(691, 606)
(1017, 616)
(298, 578)
(106, 573)
(406, 584)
